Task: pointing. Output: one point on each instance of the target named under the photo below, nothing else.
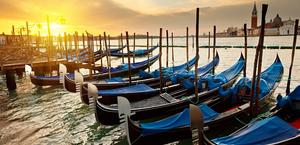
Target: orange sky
(140, 16)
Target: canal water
(50, 115)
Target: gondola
(282, 127)
(117, 71)
(164, 104)
(83, 55)
(153, 81)
(217, 111)
(140, 52)
(100, 53)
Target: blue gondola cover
(265, 131)
(177, 120)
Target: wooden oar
(246, 51)
(167, 49)
(293, 56)
(160, 54)
(187, 47)
(128, 55)
(197, 55)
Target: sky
(139, 16)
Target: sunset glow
(116, 16)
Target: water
(50, 115)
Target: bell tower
(254, 17)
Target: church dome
(277, 21)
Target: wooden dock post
(167, 49)
(10, 80)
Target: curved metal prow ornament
(92, 95)
(124, 114)
(197, 124)
(28, 70)
(78, 81)
(62, 72)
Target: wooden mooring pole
(148, 51)
(187, 47)
(107, 58)
(246, 51)
(208, 55)
(101, 51)
(172, 43)
(122, 48)
(214, 49)
(10, 79)
(293, 56)
(133, 55)
(167, 49)
(160, 66)
(255, 91)
(128, 57)
(197, 55)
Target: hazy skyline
(140, 16)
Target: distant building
(275, 26)
(287, 28)
(2, 39)
(232, 31)
(254, 17)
